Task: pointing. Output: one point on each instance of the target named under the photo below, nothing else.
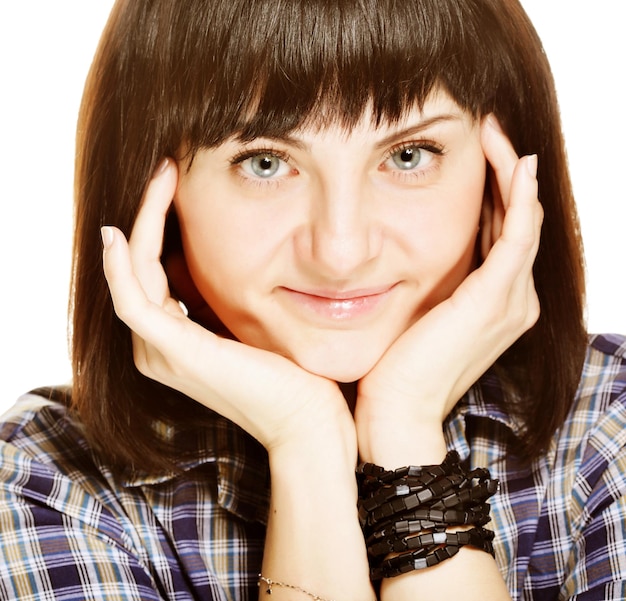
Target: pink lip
(340, 305)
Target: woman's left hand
(403, 401)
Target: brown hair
(198, 72)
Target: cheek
(445, 239)
(450, 225)
(466, 202)
(205, 241)
(214, 263)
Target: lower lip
(344, 309)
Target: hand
(269, 396)
(403, 401)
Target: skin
(419, 372)
(341, 246)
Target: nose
(342, 234)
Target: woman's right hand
(302, 419)
(266, 394)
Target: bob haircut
(169, 75)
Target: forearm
(471, 573)
(314, 540)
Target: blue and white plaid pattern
(70, 530)
(560, 523)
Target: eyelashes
(247, 154)
(262, 166)
(268, 165)
(413, 158)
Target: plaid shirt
(71, 530)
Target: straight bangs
(265, 68)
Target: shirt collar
(484, 402)
(488, 399)
(241, 466)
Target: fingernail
(531, 165)
(107, 237)
(162, 166)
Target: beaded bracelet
(377, 474)
(476, 537)
(425, 557)
(415, 560)
(429, 519)
(409, 510)
(447, 487)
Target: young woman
(336, 257)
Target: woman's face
(326, 245)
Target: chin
(340, 369)
(342, 356)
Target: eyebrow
(386, 141)
(417, 128)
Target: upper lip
(344, 294)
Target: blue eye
(407, 158)
(264, 165)
(413, 158)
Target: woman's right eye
(263, 165)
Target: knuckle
(126, 311)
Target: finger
(492, 215)
(151, 324)
(503, 284)
(150, 221)
(501, 156)
(131, 303)
(497, 216)
(146, 240)
(486, 227)
(517, 220)
(513, 254)
(129, 298)
(521, 219)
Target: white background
(45, 51)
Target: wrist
(314, 540)
(416, 518)
(323, 453)
(397, 444)
(320, 426)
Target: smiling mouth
(339, 305)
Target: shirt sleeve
(597, 567)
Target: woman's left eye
(410, 157)
(264, 165)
